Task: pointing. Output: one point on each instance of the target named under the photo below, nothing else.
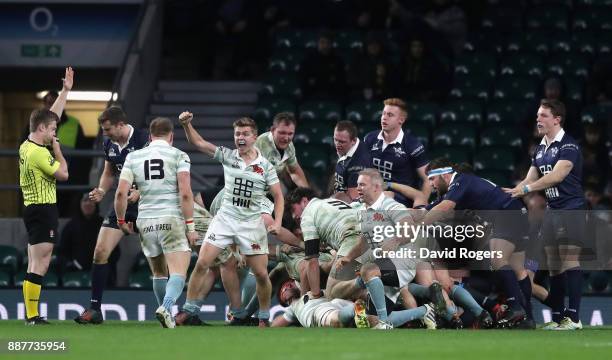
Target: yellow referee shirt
(36, 169)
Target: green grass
(147, 340)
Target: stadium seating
(515, 88)
(456, 154)
(76, 279)
(455, 134)
(425, 112)
(268, 107)
(480, 63)
(141, 280)
(547, 17)
(498, 177)
(363, 111)
(470, 87)
(461, 111)
(319, 110)
(419, 131)
(9, 259)
(522, 64)
(501, 136)
(5, 279)
(596, 114)
(494, 158)
(505, 112)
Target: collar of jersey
(351, 152)
(35, 143)
(558, 137)
(378, 203)
(271, 139)
(128, 139)
(398, 139)
(258, 159)
(159, 142)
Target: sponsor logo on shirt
(255, 247)
(51, 161)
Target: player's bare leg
(258, 265)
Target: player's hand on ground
(133, 196)
(96, 195)
(127, 228)
(192, 237)
(68, 79)
(185, 118)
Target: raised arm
(193, 137)
(60, 102)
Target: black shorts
(41, 221)
(564, 227)
(131, 214)
(513, 226)
(388, 272)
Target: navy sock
(525, 286)
(509, 283)
(99, 275)
(556, 296)
(574, 292)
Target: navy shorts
(131, 214)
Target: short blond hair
(374, 175)
(401, 104)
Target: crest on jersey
(130, 149)
(554, 151)
(258, 169)
(255, 247)
(376, 145)
(112, 152)
(378, 217)
(51, 234)
(399, 152)
(539, 155)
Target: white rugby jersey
(154, 170)
(303, 310)
(328, 220)
(245, 186)
(383, 212)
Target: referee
(38, 172)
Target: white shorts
(322, 314)
(163, 235)
(250, 236)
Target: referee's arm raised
(60, 102)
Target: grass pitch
(147, 340)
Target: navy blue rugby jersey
(349, 166)
(471, 192)
(116, 155)
(568, 194)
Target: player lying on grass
(321, 312)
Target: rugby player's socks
(174, 289)
(465, 299)
(509, 283)
(376, 289)
(240, 313)
(252, 306)
(525, 286)
(159, 289)
(451, 310)
(249, 289)
(574, 292)
(399, 318)
(263, 314)
(556, 296)
(99, 274)
(346, 315)
(32, 284)
(192, 307)
(419, 291)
